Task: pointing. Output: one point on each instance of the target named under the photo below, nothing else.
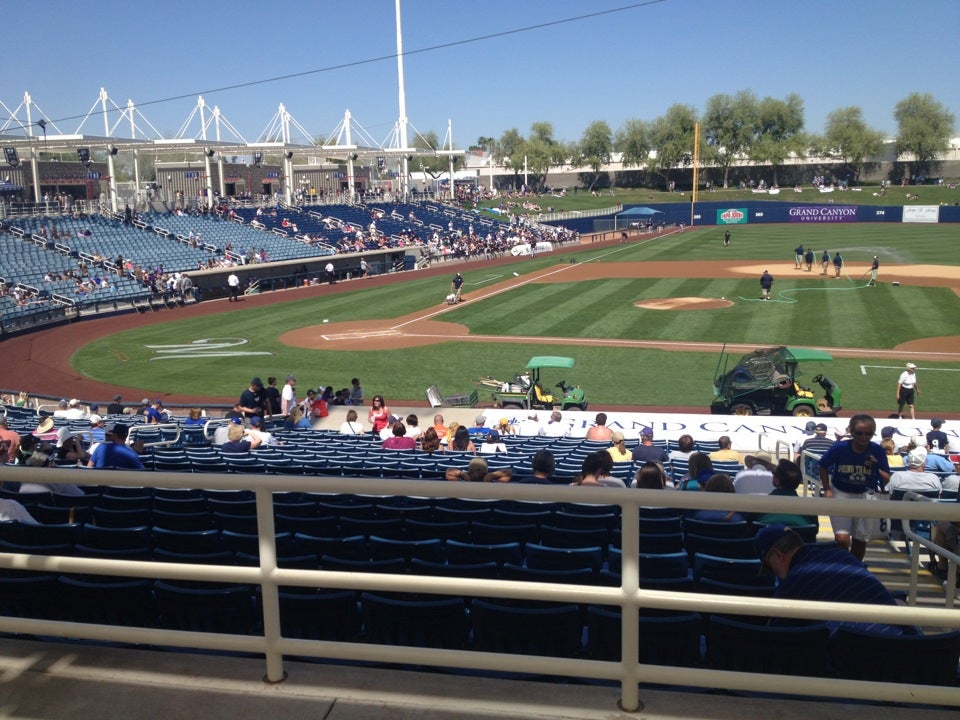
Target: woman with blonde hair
(296, 420)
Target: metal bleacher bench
(437, 400)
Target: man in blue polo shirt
(849, 470)
(828, 574)
(114, 452)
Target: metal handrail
(629, 596)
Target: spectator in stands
(915, 477)
(725, 451)
(757, 476)
(115, 453)
(257, 430)
(818, 444)
(413, 426)
(699, 471)
(116, 406)
(296, 420)
(718, 483)
(399, 440)
(530, 426)
(195, 418)
(492, 444)
(240, 440)
(786, 479)
(98, 430)
(894, 459)
(618, 451)
(596, 470)
(829, 574)
(379, 414)
(11, 510)
(543, 466)
(461, 441)
(937, 440)
(849, 470)
(42, 459)
(477, 471)
(555, 427)
(351, 426)
(387, 431)
(288, 396)
(153, 415)
(651, 476)
(69, 448)
(11, 437)
(253, 400)
(505, 428)
(646, 451)
(937, 463)
(600, 431)
(429, 441)
(69, 410)
(271, 395)
(439, 428)
(356, 392)
(685, 446)
(479, 429)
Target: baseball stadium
(291, 428)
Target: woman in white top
(351, 426)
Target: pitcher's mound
(683, 303)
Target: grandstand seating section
(575, 543)
(33, 246)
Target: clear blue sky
(615, 66)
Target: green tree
(778, 132)
(541, 151)
(849, 138)
(508, 151)
(728, 125)
(671, 135)
(595, 148)
(924, 127)
(484, 143)
(634, 144)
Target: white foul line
(863, 368)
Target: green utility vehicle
(527, 392)
(764, 382)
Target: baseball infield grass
(805, 311)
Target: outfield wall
(829, 209)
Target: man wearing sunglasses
(849, 470)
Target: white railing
(629, 596)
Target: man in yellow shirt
(725, 453)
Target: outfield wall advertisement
(921, 213)
(822, 213)
(732, 216)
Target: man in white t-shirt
(530, 426)
(288, 396)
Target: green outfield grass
(807, 311)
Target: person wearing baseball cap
(253, 400)
(937, 440)
(114, 452)
(907, 390)
(827, 574)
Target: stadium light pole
(402, 140)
